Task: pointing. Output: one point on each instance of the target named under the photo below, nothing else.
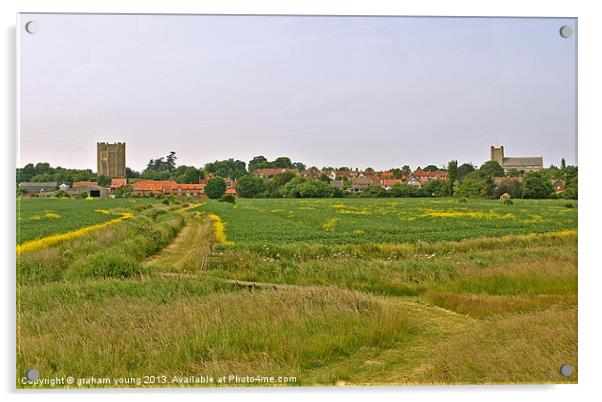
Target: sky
(376, 92)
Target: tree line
(464, 180)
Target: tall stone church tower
(497, 154)
(110, 159)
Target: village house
(343, 174)
(361, 183)
(420, 177)
(388, 184)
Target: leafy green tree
(492, 168)
(513, 173)
(227, 168)
(475, 184)
(187, 174)
(215, 188)
(405, 170)
(562, 164)
(535, 185)
(283, 162)
(250, 186)
(258, 162)
(397, 173)
(452, 176)
(299, 166)
(26, 173)
(44, 172)
(464, 169)
(103, 181)
(281, 179)
(170, 161)
(431, 168)
(131, 174)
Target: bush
(83, 194)
(62, 194)
(165, 201)
(507, 201)
(569, 205)
(228, 198)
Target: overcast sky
(328, 91)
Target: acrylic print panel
(295, 200)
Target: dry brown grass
(483, 305)
(521, 348)
(267, 332)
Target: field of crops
(326, 291)
(40, 217)
(387, 220)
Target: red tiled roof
(166, 185)
(154, 185)
(390, 182)
(436, 175)
(84, 183)
(194, 186)
(117, 183)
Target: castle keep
(110, 159)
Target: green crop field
(325, 291)
(283, 221)
(40, 217)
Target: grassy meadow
(328, 291)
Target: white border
(590, 268)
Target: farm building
(94, 191)
(38, 188)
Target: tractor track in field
(190, 248)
